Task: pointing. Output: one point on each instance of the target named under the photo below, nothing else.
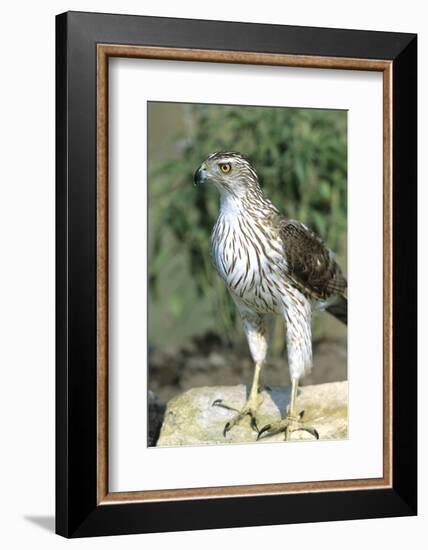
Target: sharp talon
(311, 431)
(254, 424)
(263, 430)
(222, 404)
(287, 426)
(247, 410)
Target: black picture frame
(78, 513)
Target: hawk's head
(230, 172)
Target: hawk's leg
(250, 407)
(299, 349)
(255, 331)
(292, 422)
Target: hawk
(270, 264)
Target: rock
(190, 418)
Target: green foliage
(301, 158)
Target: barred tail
(340, 309)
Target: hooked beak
(199, 177)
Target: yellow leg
(255, 384)
(292, 405)
(291, 413)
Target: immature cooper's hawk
(270, 265)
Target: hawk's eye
(225, 168)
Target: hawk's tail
(340, 309)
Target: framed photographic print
(224, 191)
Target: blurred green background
(301, 158)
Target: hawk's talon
(249, 409)
(220, 403)
(263, 430)
(287, 425)
(254, 424)
(241, 414)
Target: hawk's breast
(248, 259)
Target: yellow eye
(225, 168)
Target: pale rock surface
(190, 418)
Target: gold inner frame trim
(104, 51)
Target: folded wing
(310, 264)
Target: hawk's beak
(199, 177)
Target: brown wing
(311, 265)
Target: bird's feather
(310, 263)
